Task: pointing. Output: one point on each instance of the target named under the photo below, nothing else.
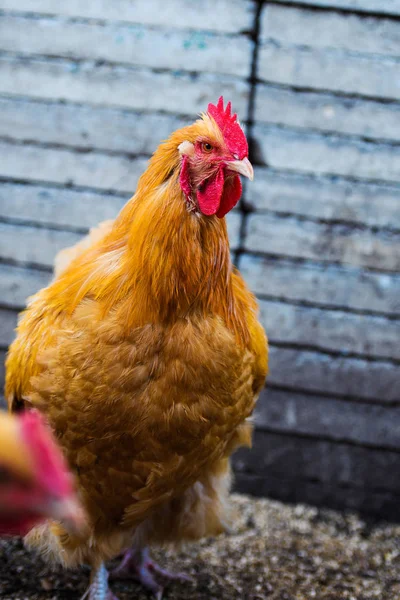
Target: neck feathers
(159, 262)
(180, 261)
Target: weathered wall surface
(88, 89)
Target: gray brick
(343, 465)
(332, 70)
(8, 323)
(66, 167)
(2, 371)
(335, 419)
(217, 15)
(85, 126)
(17, 284)
(134, 45)
(57, 207)
(302, 27)
(234, 220)
(328, 286)
(323, 198)
(390, 7)
(138, 89)
(332, 155)
(288, 237)
(40, 245)
(331, 330)
(327, 112)
(356, 378)
(290, 484)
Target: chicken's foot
(137, 565)
(98, 588)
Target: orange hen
(146, 355)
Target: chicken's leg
(138, 565)
(98, 588)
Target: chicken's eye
(207, 147)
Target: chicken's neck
(160, 262)
(179, 262)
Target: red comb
(233, 133)
(51, 467)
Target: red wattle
(216, 196)
(210, 193)
(230, 197)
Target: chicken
(34, 481)
(146, 356)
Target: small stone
(46, 584)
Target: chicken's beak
(243, 167)
(70, 512)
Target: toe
(139, 567)
(169, 575)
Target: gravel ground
(275, 552)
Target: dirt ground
(275, 552)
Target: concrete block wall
(87, 91)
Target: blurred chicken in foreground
(34, 481)
(147, 357)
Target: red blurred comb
(51, 467)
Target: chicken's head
(34, 480)
(212, 158)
